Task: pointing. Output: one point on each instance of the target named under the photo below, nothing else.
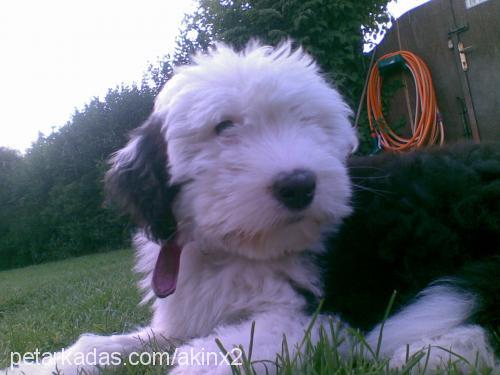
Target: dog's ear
(138, 180)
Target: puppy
(240, 186)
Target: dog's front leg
(203, 355)
(92, 352)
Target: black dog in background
(427, 219)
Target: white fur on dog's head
(285, 117)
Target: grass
(48, 306)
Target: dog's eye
(221, 126)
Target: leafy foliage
(333, 31)
(52, 198)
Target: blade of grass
(250, 346)
(386, 315)
(234, 369)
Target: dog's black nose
(295, 189)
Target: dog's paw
(27, 368)
(431, 358)
(463, 348)
(200, 370)
(202, 359)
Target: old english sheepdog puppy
(249, 212)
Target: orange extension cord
(427, 128)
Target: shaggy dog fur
(241, 172)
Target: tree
(52, 198)
(333, 31)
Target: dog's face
(256, 144)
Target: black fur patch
(418, 217)
(141, 188)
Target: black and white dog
(250, 212)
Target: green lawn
(48, 306)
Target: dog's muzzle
(295, 189)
